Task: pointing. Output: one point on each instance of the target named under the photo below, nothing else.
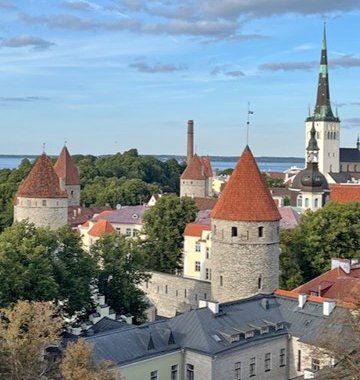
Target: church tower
(310, 183)
(245, 236)
(69, 176)
(327, 125)
(39, 198)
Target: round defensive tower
(245, 236)
(39, 198)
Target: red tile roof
(195, 169)
(292, 294)
(79, 215)
(278, 175)
(336, 284)
(207, 166)
(42, 181)
(65, 168)
(196, 229)
(102, 226)
(344, 193)
(203, 203)
(289, 218)
(246, 197)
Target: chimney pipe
(190, 140)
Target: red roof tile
(344, 193)
(203, 203)
(336, 284)
(207, 166)
(246, 196)
(65, 168)
(196, 229)
(194, 170)
(102, 226)
(42, 181)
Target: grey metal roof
(126, 215)
(197, 329)
(342, 177)
(105, 324)
(349, 155)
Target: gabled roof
(196, 229)
(195, 169)
(101, 227)
(203, 203)
(345, 193)
(42, 181)
(246, 197)
(65, 168)
(289, 218)
(125, 215)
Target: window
(316, 203)
(174, 372)
(238, 371)
(259, 282)
(315, 364)
(166, 289)
(207, 252)
(44, 203)
(221, 281)
(234, 231)
(299, 361)
(185, 293)
(72, 193)
(282, 357)
(299, 201)
(158, 289)
(249, 334)
(247, 235)
(118, 230)
(177, 293)
(207, 274)
(214, 229)
(306, 202)
(128, 232)
(261, 231)
(252, 367)
(189, 372)
(197, 266)
(267, 362)
(197, 246)
(154, 375)
(134, 232)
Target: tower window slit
(261, 231)
(234, 231)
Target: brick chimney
(190, 140)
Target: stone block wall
(43, 212)
(171, 293)
(246, 264)
(193, 188)
(73, 192)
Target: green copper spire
(323, 111)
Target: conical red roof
(42, 181)
(207, 166)
(246, 197)
(194, 170)
(65, 168)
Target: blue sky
(110, 75)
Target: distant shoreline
(164, 157)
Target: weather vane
(249, 112)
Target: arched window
(299, 201)
(316, 203)
(328, 135)
(327, 199)
(234, 231)
(306, 202)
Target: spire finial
(324, 37)
(65, 141)
(248, 123)
(43, 147)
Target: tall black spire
(323, 109)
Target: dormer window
(235, 338)
(249, 334)
(264, 330)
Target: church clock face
(311, 157)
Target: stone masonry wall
(246, 264)
(193, 188)
(73, 192)
(53, 215)
(172, 293)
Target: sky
(111, 75)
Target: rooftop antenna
(248, 123)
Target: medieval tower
(327, 125)
(39, 198)
(69, 177)
(245, 236)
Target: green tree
(37, 264)
(121, 270)
(272, 182)
(164, 225)
(333, 231)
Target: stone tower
(39, 198)
(69, 176)
(245, 236)
(327, 125)
(310, 183)
(194, 181)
